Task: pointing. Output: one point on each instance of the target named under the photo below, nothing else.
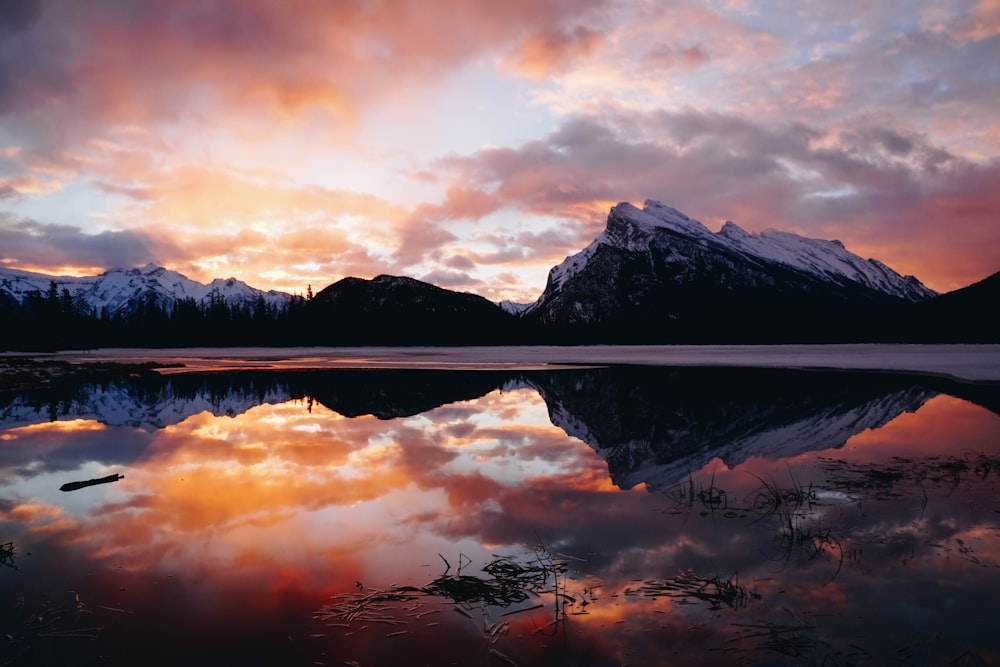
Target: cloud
(70, 73)
(542, 54)
(33, 243)
(240, 134)
(851, 183)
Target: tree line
(56, 319)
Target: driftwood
(73, 486)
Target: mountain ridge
(657, 275)
(653, 275)
(118, 291)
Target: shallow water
(592, 516)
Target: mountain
(653, 275)
(393, 310)
(656, 275)
(120, 291)
(966, 315)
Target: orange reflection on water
(288, 487)
(39, 518)
(67, 426)
(294, 502)
(943, 423)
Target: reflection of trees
(158, 401)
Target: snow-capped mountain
(120, 290)
(659, 267)
(513, 307)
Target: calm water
(575, 517)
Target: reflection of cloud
(278, 500)
(62, 446)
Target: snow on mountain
(513, 307)
(120, 290)
(635, 231)
(824, 258)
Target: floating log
(73, 486)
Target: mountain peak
(654, 215)
(644, 255)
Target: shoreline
(966, 363)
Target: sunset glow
(475, 144)
(550, 517)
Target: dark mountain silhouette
(655, 275)
(392, 310)
(388, 394)
(966, 315)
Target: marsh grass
(7, 554)
(717, 591)
(891, 479)
(709, 499)
(511, 581)
(28, 630)
(770, 499)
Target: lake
(523, 516)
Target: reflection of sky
(286, 506)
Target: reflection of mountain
(652, 425)
(388, 394)
(149, 403)
(158, 402)
(655, 426)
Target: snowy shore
(978, 363)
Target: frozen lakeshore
(976, 363)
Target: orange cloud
(982, 23)
(540, 55)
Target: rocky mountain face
(119, 292)
(391, 310)
(656, 275)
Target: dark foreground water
(609, 516)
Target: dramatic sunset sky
(475, 143)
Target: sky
(474, 144)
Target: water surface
(601, 516)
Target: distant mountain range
(120, 291)
(654, 275)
